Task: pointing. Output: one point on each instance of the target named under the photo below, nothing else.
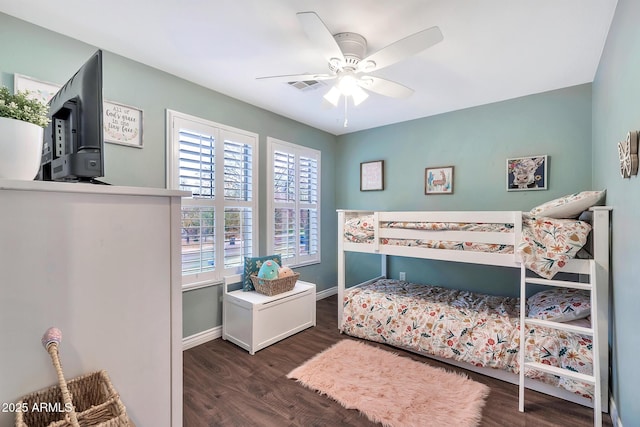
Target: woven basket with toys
(273, 279)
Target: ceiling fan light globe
(359, 95)
(347, 84)
(333, 96)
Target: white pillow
(570, 206)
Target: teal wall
(45, 55)
(616, 110)
(476, 141)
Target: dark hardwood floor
(225, 386)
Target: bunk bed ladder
(594, 378)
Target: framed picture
(122, 124)
(527, 173)
(372, 175)
(38, 90)
(438, 180)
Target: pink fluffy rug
(391, 389)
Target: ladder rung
(560, 283)
(590, 379)
(560, 326)
(593, 379)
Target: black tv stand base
(96, 181)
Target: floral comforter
(479, 329)
(547, 244)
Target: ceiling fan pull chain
(346, 101)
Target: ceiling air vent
(306, 85)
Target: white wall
(101, 267)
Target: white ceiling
(492, 50)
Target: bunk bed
(379, 309)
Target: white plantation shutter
(238, 236)
(284, 228)
(294, 202)
(198, 250)
(308, 206)
(217, 165)
(284, 234)
(239, 198)
(196, 163)
(238, 173)
(284, 176)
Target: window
(294, 202)
(218, 165)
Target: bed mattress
(546, 245)
(479, 329)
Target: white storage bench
(254, 321)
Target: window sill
(200, 285)
(302, 264)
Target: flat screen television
(73, 145)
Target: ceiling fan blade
(298, 77)
(384, 87)
(320, 35)
(401, 49)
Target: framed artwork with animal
(527, 173)
(438, 180)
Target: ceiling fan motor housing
(353, 47)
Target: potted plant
(21, 133)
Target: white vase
(20, 149)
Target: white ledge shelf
(81, 187)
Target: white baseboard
(201, 337)
(613, 412)
(326, 293)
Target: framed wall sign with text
(122, 124)
(372, 175)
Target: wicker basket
(95, 403)
(274, 286)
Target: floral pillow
(570, 206)
(560, 305)
(252, 266)
(359, 230)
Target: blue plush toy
(268, 270)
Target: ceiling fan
(349, 64)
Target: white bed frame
(599, 264)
